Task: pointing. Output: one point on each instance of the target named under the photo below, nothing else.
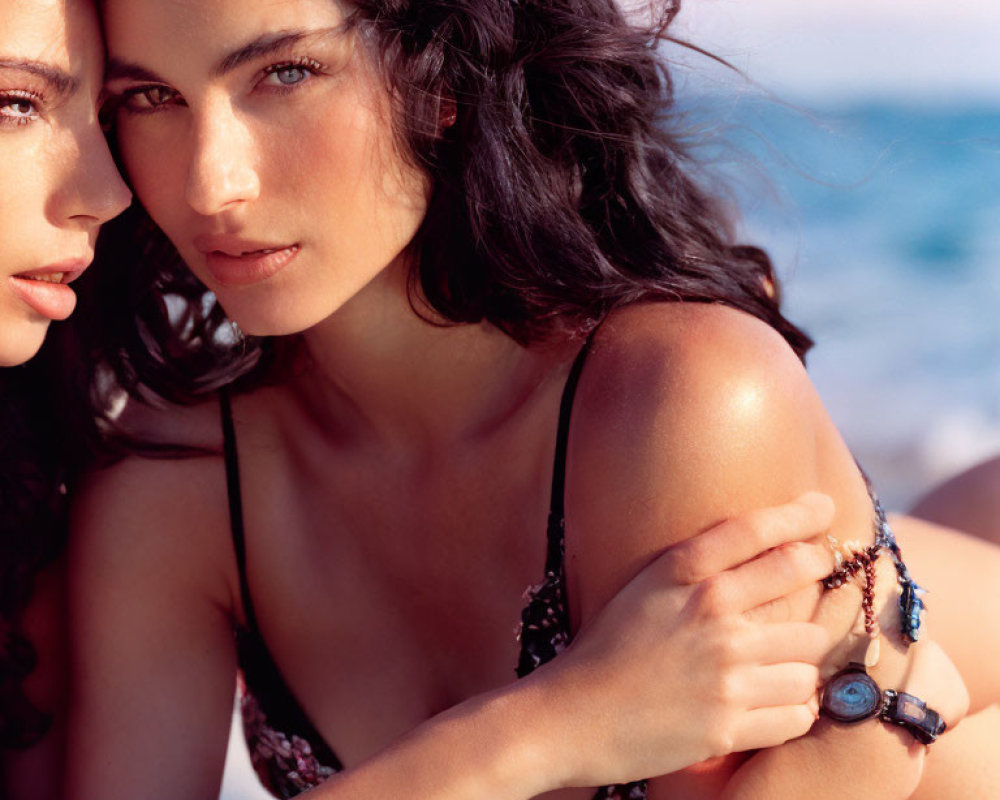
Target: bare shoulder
(196, 427)
(661, 359)
(676, 394)
(146, 517)
(689, 414)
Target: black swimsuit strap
(236, 505)
(264, 680)
(557, 506)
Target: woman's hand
(685, 663)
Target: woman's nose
(222, 173)
(92, 190)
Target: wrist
(546, 739)
(486, 748)
(553, 745)
(511, 742)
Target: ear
(447, 113)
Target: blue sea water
(884, 221)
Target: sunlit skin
(396, 486)
(59, 182)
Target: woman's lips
(47, 297)
(45, 290)
(249, 267)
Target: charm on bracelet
(911, 606)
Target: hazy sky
(930, 50)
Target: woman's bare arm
(154, 659)
(967, 502)
(152, 655)
(690, 414)
(153, 595)
(610, 709)
(956, 568)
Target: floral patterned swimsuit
(287, 752)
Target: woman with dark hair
(444, 231)
(66, 186)
(59, 185)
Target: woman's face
(59, 182)
(257, 135)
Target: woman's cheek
(152, 165)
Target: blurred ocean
(884, 222)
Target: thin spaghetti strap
(236, 504)
(557, 508)
(545, 625)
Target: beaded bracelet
(852, 558)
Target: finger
(799, 606)
(778, 643)
(776, 574)
(769, 727)
(780, 572)
(747, 536)
(787, 684)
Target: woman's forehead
(207, 28)
(61, 34)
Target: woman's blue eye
(283, 76)
(289, 76)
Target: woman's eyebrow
(62, 82)
(270, 43)
(117, 69)
(264, 45)
(261, 46)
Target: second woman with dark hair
(460, 247)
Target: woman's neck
(380, 368)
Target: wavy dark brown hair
(33, 470)
(562, 191)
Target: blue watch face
(851, 697)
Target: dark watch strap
(852, 696)
(911, 713)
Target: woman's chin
(20, 342)
(273, 320)
(287, 305)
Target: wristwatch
(852, 696)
